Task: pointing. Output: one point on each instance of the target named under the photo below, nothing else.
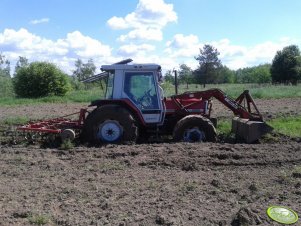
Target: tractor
(134, 109)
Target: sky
(167, 32)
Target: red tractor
(134, 108)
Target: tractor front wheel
(110, 124)
(194, 128)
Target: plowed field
(149, 184)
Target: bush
(40, 79)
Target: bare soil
(270, 108)
(150, 184)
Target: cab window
(140, 88)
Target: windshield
(140, 88)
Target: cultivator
(46, 130)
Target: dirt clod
(246, 216)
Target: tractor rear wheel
(194, 128)
(110, 124)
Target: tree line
(285, 68)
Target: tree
(40, 79)
(4, 66)
(256, 74)
(208, 64)
(168, 77)
(185, 75)
(22, 62)
(84, 70)
(225, 75)
(286, 65)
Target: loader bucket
(248, 130)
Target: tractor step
(248, 130)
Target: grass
(224, 126)
(78, 96)
(232, 90)
(290, 126)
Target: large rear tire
(194, 128)
(110, 124)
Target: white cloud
(117, 23)
(235, 56)
(85, 46)
(132, 50)
(180, 49)
(183, 48)
(30, 44)
(142, 34)
(146, 22)
(40, 21)
(15, 43)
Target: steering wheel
(146, 100)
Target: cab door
(141, 88)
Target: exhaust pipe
(248, 130)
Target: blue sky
(167, 32)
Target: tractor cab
(137, 85)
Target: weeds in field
(67, 145)
(297, 172)
(38, 219)
(188, 186)
(111, 166)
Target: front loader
(134, 108)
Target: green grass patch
(96, 92)
(290, 126)
(234, 90)
(224, 126)
(77, 96)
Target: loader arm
(249, 124)
(243, 106)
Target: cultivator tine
(10, 135)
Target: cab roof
(133, 67)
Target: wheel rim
(109, 131)
(194, 135)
